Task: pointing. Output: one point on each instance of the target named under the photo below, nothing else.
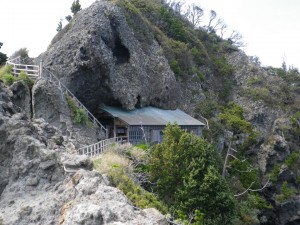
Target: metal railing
(99, 147)
(52, 78)
(33, 71)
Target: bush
(285, 192)
(120, 171)
(78, 115)
(8, 79)
(275, 172)
(259, 94)
(232, 117)
(222, 67)
(291, 161)
(23, 76)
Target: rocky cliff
(42, 181)
(132, 54)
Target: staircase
(38, 71)
(33, 71)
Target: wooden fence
(99, 147)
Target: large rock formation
(43, 182)
(101, 61)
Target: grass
(120, 172)
(78, 115)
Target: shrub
(285, 192)
(222, 67)
(275, 172)
(254, 80)
(120, 172)
(24, 76)
(232, 117)
(78, 115)
(292, 160)
(8, 79)
(259, 93)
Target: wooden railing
(64, 90)
(99, 147)
(33, 71)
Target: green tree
(68, 18)
(59, 26)
(76, 7)
(232, 117)
(185, 170)
(3, 57)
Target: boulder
(21, 96)
(100, 59)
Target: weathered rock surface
(49, 103)
(21, 96)
(99, 58)
(35, 187)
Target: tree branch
(253, 190)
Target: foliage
(59, 26)
(23, 53)
(285, 192)
(68, 18)
(295, 119)
(78, 115)
(184, 168)
(6, 75)
(3, 57)
(76, 7)
(247, 175)
(259, 93)
(254, 80)
(24, 76)
(8, 79)
(275, 172)
(173, 25)
(291, 161)
(208, 106)
(232, 117)
(222, 67)
(137, 195)
(141, 146)
(118, 168)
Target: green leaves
(232, 117)
(185, 170)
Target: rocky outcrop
(21, 96)
(99, 58)
(43, 182)
(49, 103)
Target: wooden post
(41, 68)
(115, 132)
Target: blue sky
(271, 28)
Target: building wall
(153, 134)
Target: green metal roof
(152, 116)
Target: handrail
(98, 148)
(63, 88)
(34, 70)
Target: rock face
(101, 61)
(21, 96)
(49, 103)
(37, 186)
